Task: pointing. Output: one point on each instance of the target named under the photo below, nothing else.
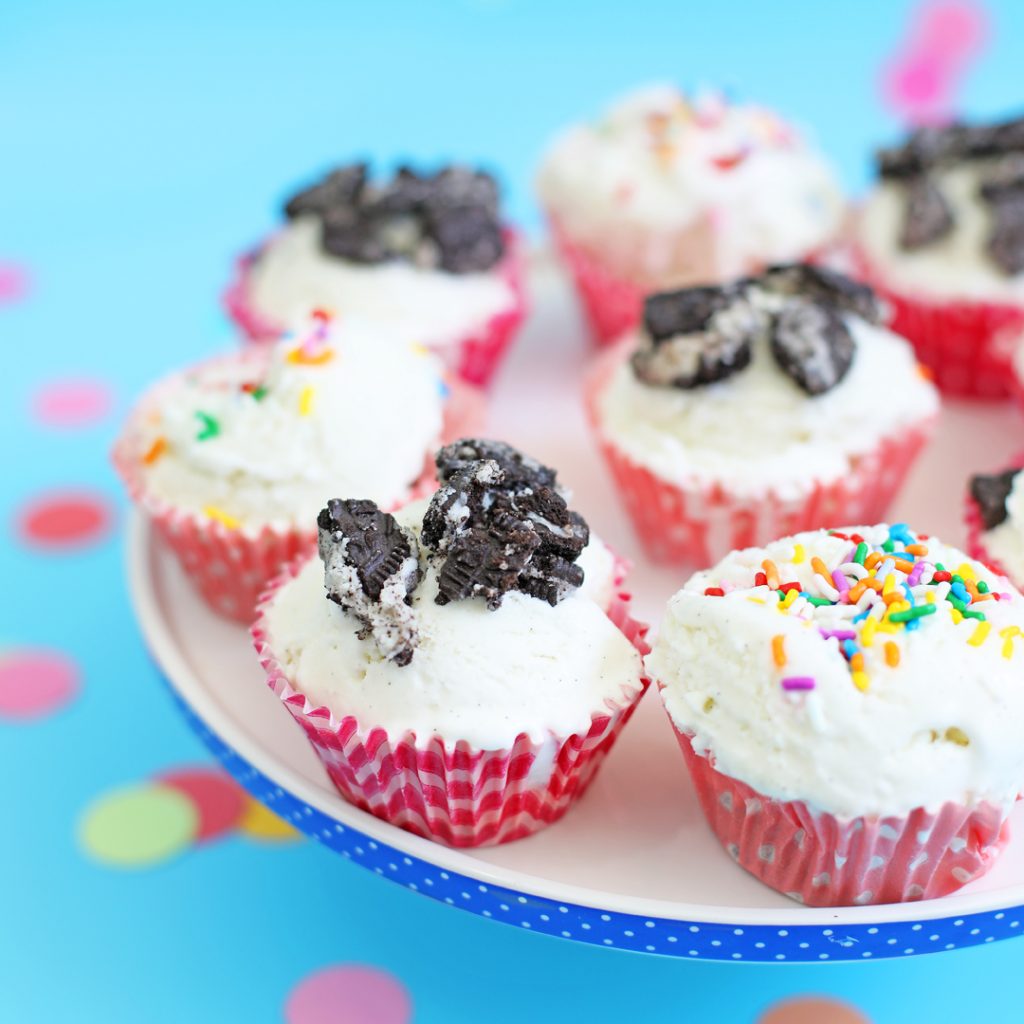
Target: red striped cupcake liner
(230, 567)
(976, 529)
(967, 345)
(824, 861)
(452, 791)
(699, 525)
(474, 358)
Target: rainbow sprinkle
(155, 450)
(221, 517)
(306, 401)
(209, 427)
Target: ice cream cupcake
(428, 252)
(863, 746)
(666, 190)
(461, 666)
(941, 238)
(995, 520)
(741, 412)
(232, 459)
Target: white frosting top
(1005, 542)
(661, 161)
(358, 414)
(476, 675)
(293, 275)
(956, 266)
(936, 714)
(757, 431)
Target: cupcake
(666, 191)
(428, 252)
(741, 412)
(995, 520)
(863, 746)
(942, 240)
(463, 665)
(232, 459)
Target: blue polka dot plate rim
(618, 871)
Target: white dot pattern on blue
(704, 940)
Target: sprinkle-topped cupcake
(667, 190)
(769, 404)
(476, 636)
(995, 520)
(427, 252)
(942, 235)
(850, 707)
(234, 457)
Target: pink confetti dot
(72, 402)
(14, 283)
(349, 994)
(65, 520)
(219, 802)
(35, 682)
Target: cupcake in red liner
(767, 406)
(475, 660)
(995, 520)
(427, 253)
(939, 239)
(667, 190)
(232, 458)
(863, 746)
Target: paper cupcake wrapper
(825, 861)
(700, 525)
(613, 282)
(976, 530)
(231, 567)
(968, 346)
(452, 791)
(474, 358)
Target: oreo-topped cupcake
(942, 239)
(850, 708)
(995, 520)
(232, 459)
(667, 190)
(463, 665)
(741, 411)
(427, 251)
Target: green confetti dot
(138, 826)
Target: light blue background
(141, 147)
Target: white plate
(633, 865)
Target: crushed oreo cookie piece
(927, 217)
(990, 492)
(371, 568)
(1003, 190)
(696, 336)
(499, 523)
(924, 149)
(812, 345)
(812, 281)
(520, 470)
(448, 220)
(341, 188)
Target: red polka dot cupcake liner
(824, 861)
(699, 525)
(967, 346)
(455, 792)
(474, 358)
(231, 566)
(976, 528)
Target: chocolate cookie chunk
(1003, 190)
(926, 215)
(520, 470)
(371, 568)
(468, 239)
(499, 523)
(925, 148)
(812, 345)
(822, 284)
(341, 188)
(696, 336)
(990, 493)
